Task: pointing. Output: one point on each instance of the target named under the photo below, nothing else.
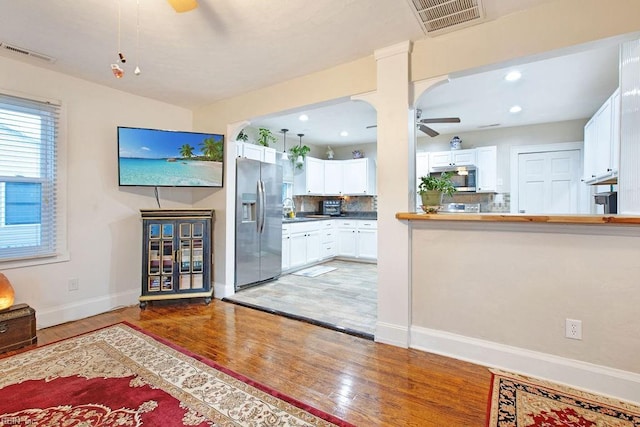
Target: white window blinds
(28, 139)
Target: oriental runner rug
(122, 376)
(520, 401)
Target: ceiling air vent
(25, 52)
(440, 16)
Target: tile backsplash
(489, 202)
(311, 204)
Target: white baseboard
(395, 335)
(85, 308)
(222, 290)
(600, 379)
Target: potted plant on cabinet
(242, 136)
(432, 188)
(265, 137)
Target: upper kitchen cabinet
(255, 152)
(359, 177)
(355, 177)
(486, 175)
(333, 177)
(310, 180)
(441, 159)
(602, 143)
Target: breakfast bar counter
(523, 218)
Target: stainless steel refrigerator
(258, 222)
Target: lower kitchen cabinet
(307, 243)
(304, 244)
(358, 239)
(328, 243)
(286, 247)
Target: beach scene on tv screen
(166, 158)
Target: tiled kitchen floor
(343, 299)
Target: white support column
(395, 170)
(224, 281)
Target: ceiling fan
(183, 5)
(421, 124)
(426, 129)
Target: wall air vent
(5, 47)
(441, 16)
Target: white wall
(103, 225)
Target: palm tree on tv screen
(186, 151)
(212, 149)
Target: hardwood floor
(360, 381)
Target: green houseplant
(432, 188)
(265, 137)
(298, 153)
(242, 136)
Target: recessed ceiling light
(344, 133)
(303, 117)
(515, 109)
(512, 76)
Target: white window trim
(62, 254)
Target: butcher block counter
(522, 218)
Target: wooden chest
(17, 327)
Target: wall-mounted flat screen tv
(163, 158)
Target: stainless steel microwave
(330, 207)
(463, 177)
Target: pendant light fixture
(300, 160)
(137, 70)
(285, 156)
(117, 71)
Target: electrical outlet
(74, 284)
(573, 329)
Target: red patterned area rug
(122, 376)
(520, 401)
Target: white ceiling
(227, 47)
(566, 87)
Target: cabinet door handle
(3, 328)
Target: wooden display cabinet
(177, 259)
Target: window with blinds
(28, 139)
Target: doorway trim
(515, 151)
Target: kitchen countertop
(505, 217)
(317, 217)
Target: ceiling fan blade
(371, 126)
(428, 130)
(441, 120)
(183, 5)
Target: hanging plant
(298, 151)
(265, 137)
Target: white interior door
(548, 182)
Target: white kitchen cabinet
(286, 247)
(367, 239)
(359, 177)
(487, 164)
(347, 241)
(255, 152)
(304, 243)
(438, 159)
(269, 155)
(356, 177)
(602, 143)
(358, 239)
(309, 180)
(328, 242)
(333, 177)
